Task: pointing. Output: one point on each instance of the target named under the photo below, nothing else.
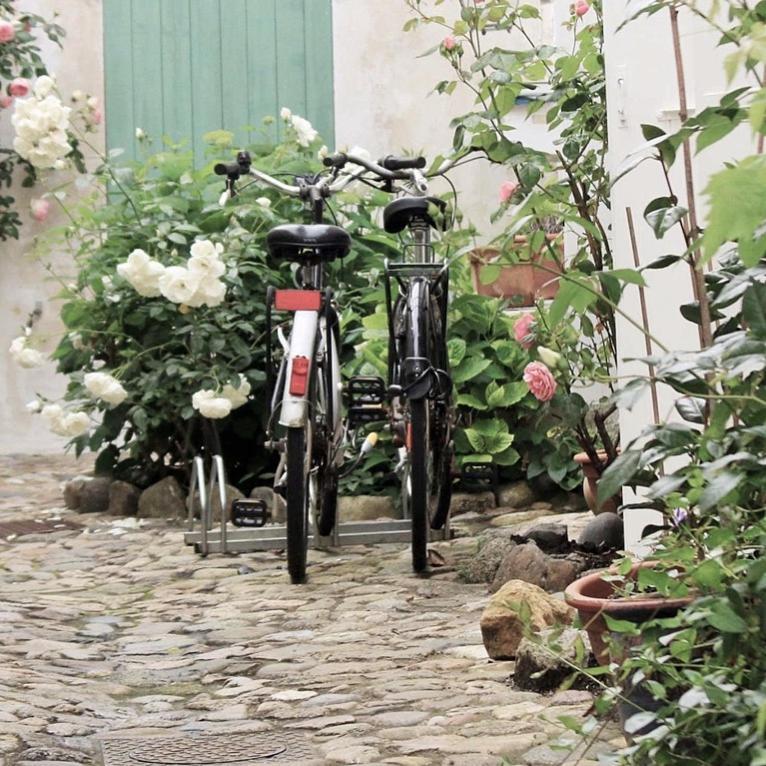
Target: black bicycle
(307, 426)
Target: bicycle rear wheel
(298, 498)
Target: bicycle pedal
(249, 513)
(366, 397)
(479, 473)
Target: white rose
(211, 292)
(78, 95)
(179, 285)
(209, 405)
(323, 152)
(75, 423)
(103, 386)
(44, 85)
(65, 423)
(41, 125)
(206, 258)
(34, 406)
(285, 113)
(263, 202)
(140, 134)
(237, 396)
(25, 356)
(143, 273)
(304, 129)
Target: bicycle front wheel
(298, 500)
(420, 481)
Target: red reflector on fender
(298, 300)
(299, 377)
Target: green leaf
(754, 309)
(505, 395)
(738, 209)
(456, 348)
(664, 218)
(718, 488)
(469, 369)
(469, 400)
(724, 618)
(618, 474)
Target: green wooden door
(179, 68)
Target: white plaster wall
(24, 281)
(642, 88)
(383, 98)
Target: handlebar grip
(227, 169)
(238, 168)
(402, 163)
(335, 160)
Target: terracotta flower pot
(590, 484)
(521, 283)
(593, 597)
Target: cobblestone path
(119, 630)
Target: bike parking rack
(273, 536)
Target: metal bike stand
(273, 536)
(206, 540)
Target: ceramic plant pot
(591, 475)
(520, 283)
(593, 598)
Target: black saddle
(400, 213)
(311, 243)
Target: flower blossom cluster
(105, 387)
(198, 283)
(305, 132)
(218, 404)
(42, 123)
(23, 355)
(65, 423)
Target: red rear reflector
(299, 377)
(298, 300)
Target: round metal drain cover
(199, 751)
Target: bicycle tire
(298, 467)
(420, 482)
(328, 509)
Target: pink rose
(40, 209)
(95, 117)
(581, 7)
(540, 381)
(19, 87)
(507, 190)
(448, 42)
(523, 329)
(7, 32)
(5, 101)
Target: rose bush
(165, 316)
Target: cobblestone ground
(119, 630)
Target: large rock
(516, 495)
(517, 608)
(472, 502)
(528, 563)
(366, 508)
(73, 491)
(123, 498)
(163, 500)
(232, 494)
(544, 663)
(548, 537)
(94, 495)
(482, 567)
(605, 532)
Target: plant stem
(698, 279)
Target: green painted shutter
(179, 68)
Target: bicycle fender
(298, 372)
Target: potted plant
(526, 270)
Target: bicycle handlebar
(402, 163)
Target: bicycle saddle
(401, 212)
(313, 242)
